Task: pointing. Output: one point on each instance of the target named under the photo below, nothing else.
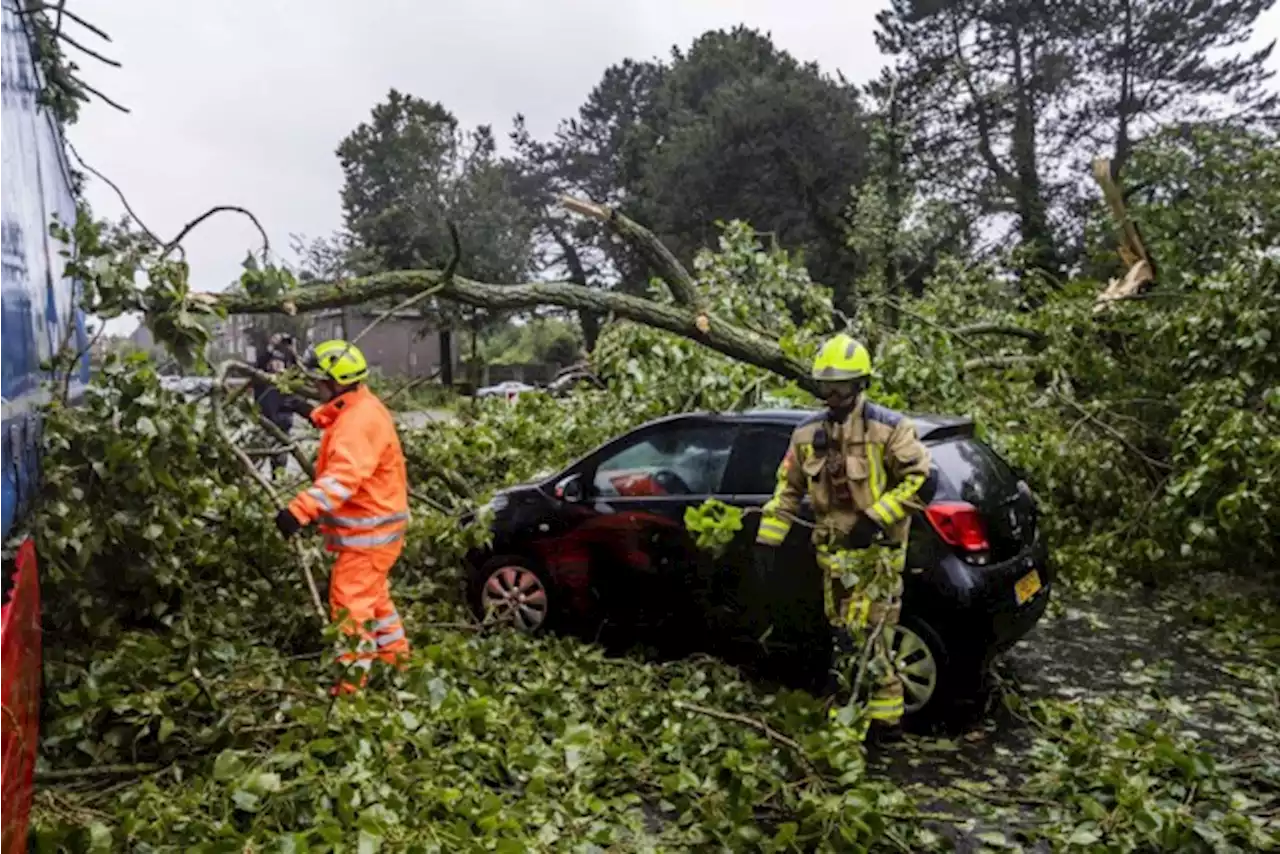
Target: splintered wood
(1140, 274)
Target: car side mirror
(571, 489)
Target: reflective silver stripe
(387, 640)
(331, 483)
(387, 622)
(364, 521)
(367, 540)
(319, 495)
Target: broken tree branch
(759, 726)
(1006, 361)
(219, 424)
(664, 263)
(722, 337)
(998, 329)
(445, 278)
(1141, 268)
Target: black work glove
(864, 533)
(287, 523)
(298, 406)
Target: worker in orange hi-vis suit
(360, 498)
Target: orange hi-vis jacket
(361, 493)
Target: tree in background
(1021, 93)
(411, 168)
(734, 128)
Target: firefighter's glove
(864, 533)
(287, 523)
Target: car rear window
(969, 470)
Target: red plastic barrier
(20, 698)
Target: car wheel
(515, 592)
(921, 660)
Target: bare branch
(41, 7)
(665, 264)
(92, 91)
(75, 44)
(186, 229)
(119, 193)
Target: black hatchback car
(604, 542)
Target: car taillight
(960, 525)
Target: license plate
(1027, 586)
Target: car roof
(929, 426)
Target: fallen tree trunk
(722, 337)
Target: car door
(779, 601)
(649, 571)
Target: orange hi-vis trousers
(358, 586)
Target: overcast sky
(244, 102)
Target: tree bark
(688, 322)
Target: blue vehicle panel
(39, 305)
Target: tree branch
(186, 229)
(760, 726)
(92, 91)
(1006, 361)
(665, 264)
(124, 200)
(722, 337)
(41, 7)
(999, 329)
(75, 44)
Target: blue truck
(40, 312)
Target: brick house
(400, 346)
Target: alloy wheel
(917, 668)
(515, 595)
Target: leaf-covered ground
(1123, 718)
(1123, 723)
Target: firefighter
(278, 356)
(865, 471)
(360, 499)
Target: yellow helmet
(339, 361)
(842, 358)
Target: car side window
(757, 453)
(674, 461)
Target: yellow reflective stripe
(859, 611)
(772, 530)
(880, 512)
(885, 710)
(875, 462)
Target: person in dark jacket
(279, 355)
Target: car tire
(930, 683)
(521, 586)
